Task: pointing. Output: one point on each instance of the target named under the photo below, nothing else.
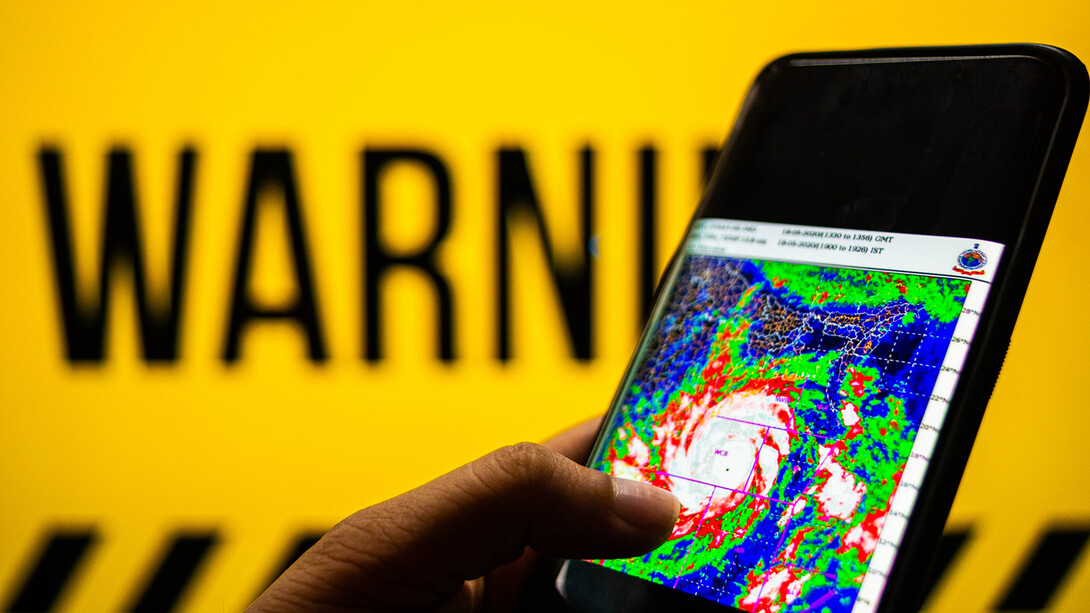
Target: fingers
(507, 582)
(419, 549)
(484, 513)
(565, 509)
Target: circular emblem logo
(972, 259)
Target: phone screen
(789, 392)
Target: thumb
(418, 550)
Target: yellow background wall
(275, 443)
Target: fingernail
(644, 505)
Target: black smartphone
(828, 334)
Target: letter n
(574, 284)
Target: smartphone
(827, 336)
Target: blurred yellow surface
(275, 443)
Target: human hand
(467, 540)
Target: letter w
(85, 320)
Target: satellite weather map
(779, 402)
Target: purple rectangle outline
(753, 423)
(722, 487)
(685, 559)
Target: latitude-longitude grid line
(700, 523)
(756, 461)
(828, 545)
(910, 366)
(711, 496)
(814, 570)
(821, 463)
(813, 478)
(879, 332)
(813, 606)
(779, 543)
(797, 346)
(783, 533)
(767, 426)
(787, 525)
(819, 601)
(722, 487)
(814, 307)
(810, 570)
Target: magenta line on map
(756, 460)
(818, 602)
(813, 479)
(689, 550)
(753, 423)
(809, 570)
(722, 487)
(779, 544)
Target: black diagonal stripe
(57, 560)
(296, 548)
(950, 546)
(178, 565)
(1045, 570)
